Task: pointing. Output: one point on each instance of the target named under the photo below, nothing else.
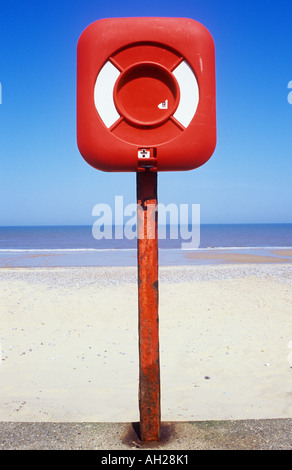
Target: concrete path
(267, 434)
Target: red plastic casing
(145, 53)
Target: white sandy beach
(70, 345)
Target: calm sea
(76, 246)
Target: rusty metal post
(149, 368)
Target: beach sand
(69, 343)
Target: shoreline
(128, 257)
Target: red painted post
(149, 369)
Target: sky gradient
(45, 181)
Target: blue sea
(76, 245)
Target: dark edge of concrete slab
(262, 434)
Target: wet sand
(282, 252)
(225, 257)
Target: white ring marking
(103, 94)
(189, 93)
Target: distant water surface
(75, 245)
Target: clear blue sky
(45, 181)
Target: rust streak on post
(149, 369)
